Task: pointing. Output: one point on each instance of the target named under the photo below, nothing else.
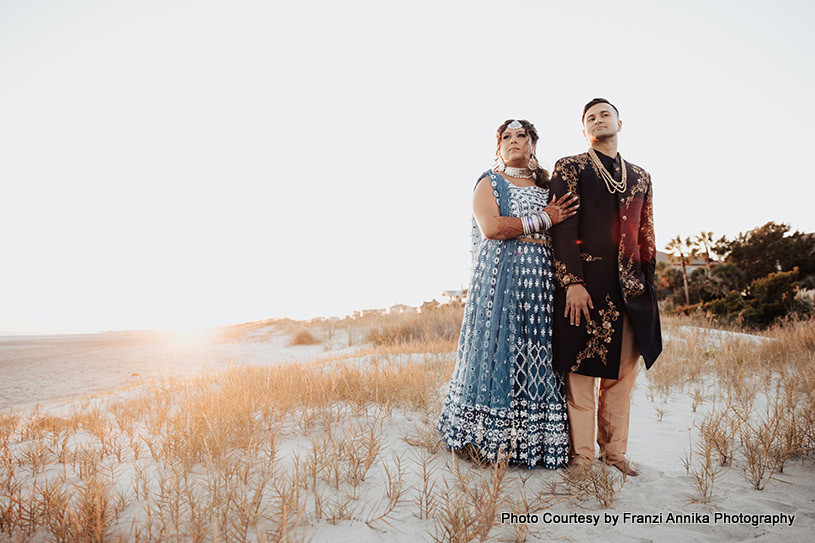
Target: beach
(341, 464)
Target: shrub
(303, 337)
(685, 309)
(772, 298)
(729, 306)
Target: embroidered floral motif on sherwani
(599, 334)
(504, 397)
(641, 187)
(630, 282)
(648, 245)
(569, 169)
(586, 257)
(563, 277)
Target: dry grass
(303, 336)
(704, 475)
(440, 324)
(221, 456)
(270, 453)
(763, 398)
(471, 503)
(593, 482)
(249, 453)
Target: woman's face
(515, 147)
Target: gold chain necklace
(611, 184)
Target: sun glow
(187, 338)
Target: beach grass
(275, 453)
(762, 395)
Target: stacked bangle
(547, 220)
(536, 222)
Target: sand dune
(53, 373)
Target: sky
(192, 163)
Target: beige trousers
(613, 406)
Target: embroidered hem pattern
(534, 434)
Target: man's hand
(578, 302)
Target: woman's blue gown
(504, 395)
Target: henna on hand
(562, 208)
(507, 228)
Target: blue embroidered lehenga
(504, 395)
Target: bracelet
(536, 222)
(547, 220)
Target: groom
(606, 312)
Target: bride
(504, 399)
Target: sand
(53, 371)
(42, 369)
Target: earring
(533, 163)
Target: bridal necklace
(523, 173)
(611, 184)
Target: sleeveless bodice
(514, 201)
(526, 201)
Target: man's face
(601, 122)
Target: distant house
(367, 312)
(401, 308)
(455, 296)
(695, 263)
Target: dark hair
(593, 103)
(541, 175)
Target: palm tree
(686, 252)
(703, 244)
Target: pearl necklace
(611, 184)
